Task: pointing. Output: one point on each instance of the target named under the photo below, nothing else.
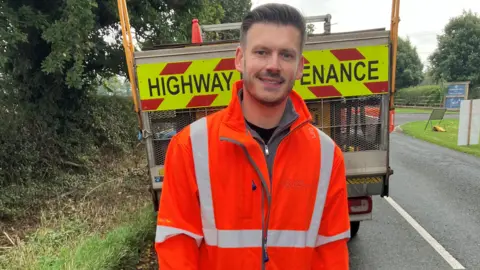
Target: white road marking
(439, 248)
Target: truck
(347, 84)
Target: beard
(261, 95)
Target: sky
(420, 20)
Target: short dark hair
(281, 14)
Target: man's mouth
(273, 81)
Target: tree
(54, 55)
(64, 42)
(234, 10)
(409, 66)
(457, 57)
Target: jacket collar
(296, 111)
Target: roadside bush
(33, 147)
(39, 149)
(425, 95)
(474, 92)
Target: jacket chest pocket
(237, 197)
(239, 188)
(248, 192)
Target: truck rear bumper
(365, 186)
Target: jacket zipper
(264, 183)
(266, 192)
(280, 142)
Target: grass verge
(419, 110)
(102, 223)
(447, 139)
(116, 249)
(120, 248)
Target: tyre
(354, 227)
(155, 199)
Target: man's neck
(260, 115)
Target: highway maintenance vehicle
(348, 84)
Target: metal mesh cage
(165, 124)
(355, 124)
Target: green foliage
(31, 149)
(61, 43)
(88, 234)
(425, 95)
(115, 86)
(228, 11)
(54, 62)
(234, 12)
(409, 66)
(69, 41)
(118, 248)
(457, 57)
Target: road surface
(403, 118)
(442, 200)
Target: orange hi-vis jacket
(231, 201)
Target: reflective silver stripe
(165, 232)
(250, 238)
(234, 238)
(199, 140)
(322, 240)
(327, 148)
(276, 238)
(253, 238)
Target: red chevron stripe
(175, 68)
(377, 87)
(151, 104)
(347, 54)
(202, 101)
(325, 91)
(225, 64)
(305, 60)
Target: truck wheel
(354, 227)
(155, 199)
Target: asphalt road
(440, 189)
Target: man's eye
(260, 52)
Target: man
(256, 185)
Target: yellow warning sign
(208, 82)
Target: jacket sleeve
(179, 230)
(332, 251)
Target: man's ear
(300, 68)
(239, 59)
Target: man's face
(270, 62)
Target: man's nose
(274, 63)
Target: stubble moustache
(269, 75)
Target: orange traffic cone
(196, 32)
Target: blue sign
(453, 102)
(457, 89)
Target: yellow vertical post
(129, 49)
(395, 19)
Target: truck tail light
(360, 205)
